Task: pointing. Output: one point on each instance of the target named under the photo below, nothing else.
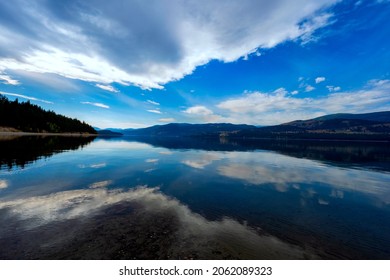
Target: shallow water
(71, 198)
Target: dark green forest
(28, 117)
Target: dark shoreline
(21, 133)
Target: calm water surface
(83, 198)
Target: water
(121, 198)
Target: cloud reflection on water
(95, 165)
(193, 232)
(100, 184)
(287, 172)
(201, 160)
(3, 184)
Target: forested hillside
(28, 117)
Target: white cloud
(258, 102)
(294, 92)
(154, 111)
(108, 43)
(333, 88)
(101, 105)
(270, 108)
(25, 97)
(107, 87)
(304, 85)
(320, 80)
(167, 120)
(309, 88)
(203, 114)
(198, 110)
(153, 102)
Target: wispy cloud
(25, 97)
(313, 23)
(101, 105)
(167, 120)
(154, 111)
(153, 102)
(8, 80)
(107, 87)
(107, 44)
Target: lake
(174, 198)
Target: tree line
(29, 117)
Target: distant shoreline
(10, 131)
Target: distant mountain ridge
(375, 126)
(185, 129)
(352, 123)
(107, 132)
(336, 126)
(383, 116)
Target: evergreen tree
(28, 117)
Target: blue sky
(130, 64)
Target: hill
(377, 116)
(375, 126)
(185, 129)
(344, 123)
(107, 132)
(372, 126)
(28, 117)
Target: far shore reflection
(18, 150)
(368, 154)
